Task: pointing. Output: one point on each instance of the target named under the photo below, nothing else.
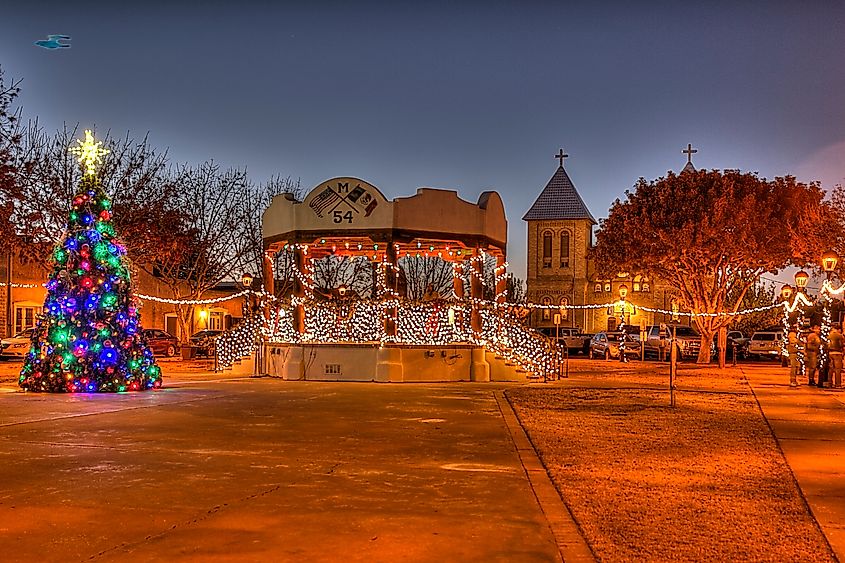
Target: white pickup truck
(574, 340)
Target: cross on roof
(560, 156)
(689, 152)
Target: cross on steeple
(560, 156)
(689, 152)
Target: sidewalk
(809, 424)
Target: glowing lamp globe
(829, 260)
(246, 280)
(786, 292)
(801, 279)
(623, 291)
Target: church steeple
(559, 199)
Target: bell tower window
(547, 249)
(564, 249)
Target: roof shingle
(559, 200)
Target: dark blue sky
(468, 96)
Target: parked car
(687, 339)
(573, 339)
(203, 341)
(18, 345)
(606, 345)
(161, 343)
(765, 344)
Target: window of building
(564, 249)
(637, 285)
(547, 249)
(598, 288)
(564, 311)
(215, 320)
(646, 287)
(25, 317)
(547, 313)
(607, 287)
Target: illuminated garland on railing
(239, 342)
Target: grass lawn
(703, 481)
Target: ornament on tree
(88, 337)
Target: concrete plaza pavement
(263, 470)
(809, 424)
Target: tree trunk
(704, 352)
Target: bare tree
(257, 200)
(355, 273)
(133, 176)
(516, 289)
(216, 227)
(10, 154)
(421, 271)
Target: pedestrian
(792, 351)
(811, 358)
(835, 344)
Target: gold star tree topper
(88, 153)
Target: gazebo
(336, 333)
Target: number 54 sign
(342, 203)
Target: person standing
(814, 344)
(792, 350)
(835, 345)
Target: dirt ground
(702, 481)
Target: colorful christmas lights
(87, 338)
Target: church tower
(560, 232)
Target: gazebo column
(299, 290)
(500, 279)
(476, 289)
(457, 280)
(390, 290)
(269, 279)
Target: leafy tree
(709, 235)
(760, 294)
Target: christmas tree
(88, 337)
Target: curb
(570, 542)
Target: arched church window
(598, 288)
(547, 249)
(637, 286)
(564, 308)
(607, 287)
(547, 313)
(564, 249)
(646, 287)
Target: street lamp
(246, 280)
(829, 261)
(801, 279)
(786, 292)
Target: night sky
(469, 96)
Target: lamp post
(623, 293)
(829, 261)
(246, 282)
(801, 279)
